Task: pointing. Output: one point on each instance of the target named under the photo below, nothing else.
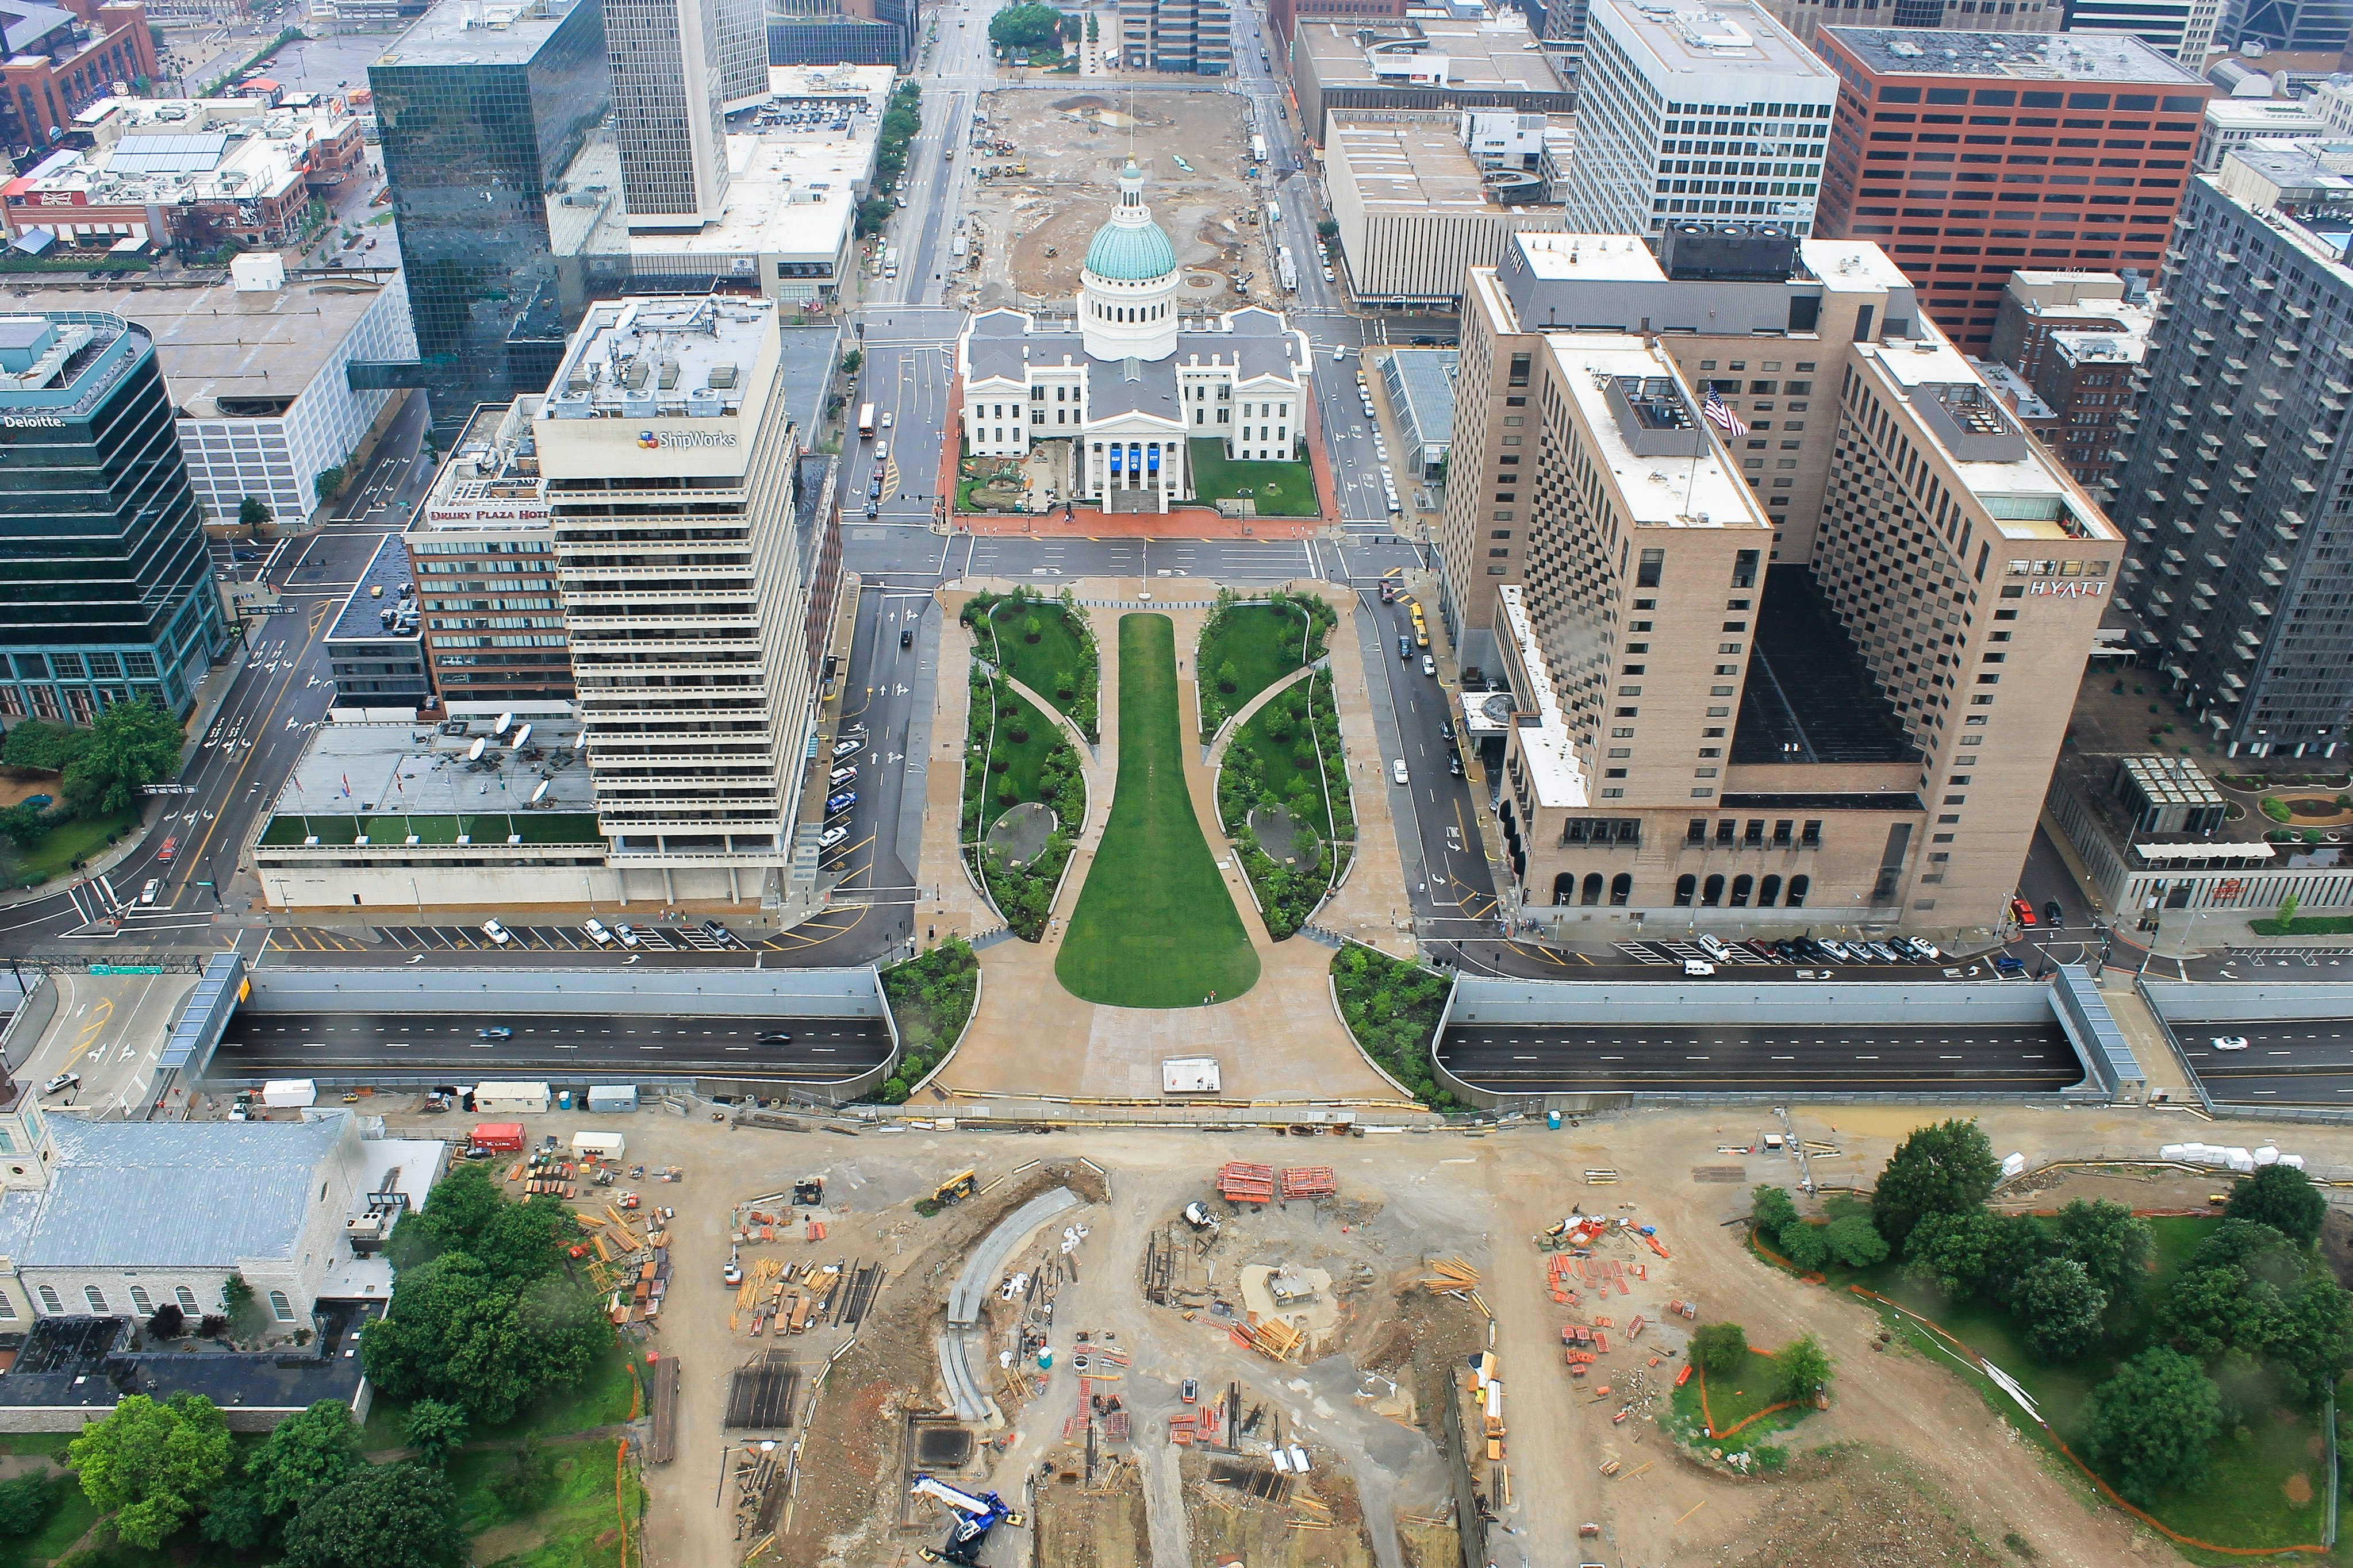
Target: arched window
(1713, 893)
(1767, 891)
(1592, 887)
(96, 1297)
(1798, 888)
(1684, 885)
(140, 1301)
(187, 1300)
(1564, 887)
(280, 1307)
(1621, 887)
(49, 1302)
(1741, 885)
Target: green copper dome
(1130, 252)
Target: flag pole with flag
(1719, 415)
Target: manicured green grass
(1731, 1401)
(1155, 926)
(1273, 761)
(1022, 759)
(1249, 647)
(1058, 661)
(54, 855)
(69, 1519)
(1281, 490)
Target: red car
(171, 848)
(2023, 911)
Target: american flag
(1721, 416)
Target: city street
(1984, 1058)
(354, 1045)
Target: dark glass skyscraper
(105, 591)
(481, 113)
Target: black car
(1786, 951)
(873, 490)
(1405, 648)
(2053, 916)
(1454, 765)
(907, 638)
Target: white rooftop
(1590, 257)
(665, 354)
(1730, 38)
(1667, 492)
(1544, 749)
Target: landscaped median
(931, 996)
(1025, 799)
(1392, 1007)
(1283, 794)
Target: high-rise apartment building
(2237, 490)
(670, 456)
(487, 603)
(1791, 611)
(1971, 155)
(109, 593)
(2076, 341)
(1686, 111)
(668, 119)
(481, 111)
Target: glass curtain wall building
(107, 588)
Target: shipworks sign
(675, 441)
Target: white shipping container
(602, 1145)
(612, 1097)
(286, 1093)
(511, 1099)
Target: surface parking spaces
(1677, 952)
(527, 939)
(2291, 957)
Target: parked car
(1428, 665)
(831, 836)
(598, 933)
(841, 803)
(2022, 912)
(1446, 730)
(1397, 771)
(840, 777)
(2229, 1042)
(1697, 967)
(629, 935)
(1454, 765)
(1924, 950)
(498, 934)
(719, 933)
(1888, 952)
(844, 748)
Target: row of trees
(901, 121)
(1392, 1006)
(2252, 1320)
(1032, 28)
(305, 1496)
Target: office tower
(1192, 37)
(479, 123)
(668, 455)
(2237, 489)
(1790, 609)
(485, 530)
(2297, 26)
(1685, 111)
(1429, 62)
(667, 117)
(2233, 122)
(2181, 30)
(1992, 152)
(1804, 16)
(2076, 341)
(742, 52)
(108, 591)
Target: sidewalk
(1184, 522)
(1372, 905)
(946, 903)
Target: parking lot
(526, 939)
(1665, 952)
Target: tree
(130, 746)
(2210, 1309)
(2060, 1308)
(25, 1502)
(1973, 1253)
(2309, 1340)
(168, 1323)
(151, 1466)
(1770, 1209)
(306, 1453)
(1720, 1348)
(1946, 1168)
(235, 1518)
(1327, 228)
(236, 1298)
(2149, 1426)
(253, 514)
(1804, 1245)
(2112, 1245)
(1852, 1240)
(383, 1516)
(872, 214)
(328, 482)
(516, 1242)
(1804, 1367)
(25, 825)
(39, 745)
(2283, 1197)
(851, 361)
(435, 1431)
(1026, 27)
(459, 1334)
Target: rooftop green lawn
(1155, 926)
(532, 826)
(1279, 490)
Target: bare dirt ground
(1074, 146)
(1908, 1466)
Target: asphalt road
(341, 1046)
(2298, 1061)
(1728, 1058)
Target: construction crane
(977, 1515)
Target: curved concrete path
(1249, 710)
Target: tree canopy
(2060, 1308)
(467, 1213)
(1946, 1168)
(382, 1516)
(130, 746)
(2283, 1198)
(150, 1465)
(2149, 1424)
(1804, 1367)
(1720, 1348)
(2112, 1245)
(435, 1431)
(1027, 27)
(459, 1333)
(1976, 1253)
(306, 1453)
(1770, 1209)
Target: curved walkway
(1090, 765)
(1214, 756)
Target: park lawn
(1057, 652)
(80, 839)
(1262, 644)
(1022, 759)
(1281, 490)
(1297, 787)
(1155, 926)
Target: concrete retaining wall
(2256, 1003)
(718, 993)
(1480, 999)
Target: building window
(8, 1306)
(1621, 887)
(1799, 887)
(1647, 573)
(1767, 891)
(1712, 893)
(1685, 884)
(187, 1300)
(280, 1307)
(96, 1297)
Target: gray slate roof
(996, 338)
(160, 1195)
(1110, 393)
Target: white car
(154, 886)
(629, 936)
(882, 451)
(1428, 665)
(886, 412)
(498, 934)
(598, 933)
(2229, 1042)
(1396, 770)
(831, 836)
(844, 748)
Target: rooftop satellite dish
(474, 751)
(499, 728)
(541, 793)
(522, 738)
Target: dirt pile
(1856, 1507)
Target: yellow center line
(227, 797)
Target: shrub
(1720, 1350)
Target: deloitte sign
(671, 440)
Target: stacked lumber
(1241, 1183)
(1309, 1181)
(1452, 1277)
(1274, 1339)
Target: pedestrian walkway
(1184, 522)
(946, 902)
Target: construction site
(881, 1344)
(1044, 171)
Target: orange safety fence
(620, 1495)
(2089, 1474)
(1708, 1417)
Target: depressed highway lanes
(2291, 1061)
(2023, 1058)
(357, 1044)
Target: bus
(866, 420)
